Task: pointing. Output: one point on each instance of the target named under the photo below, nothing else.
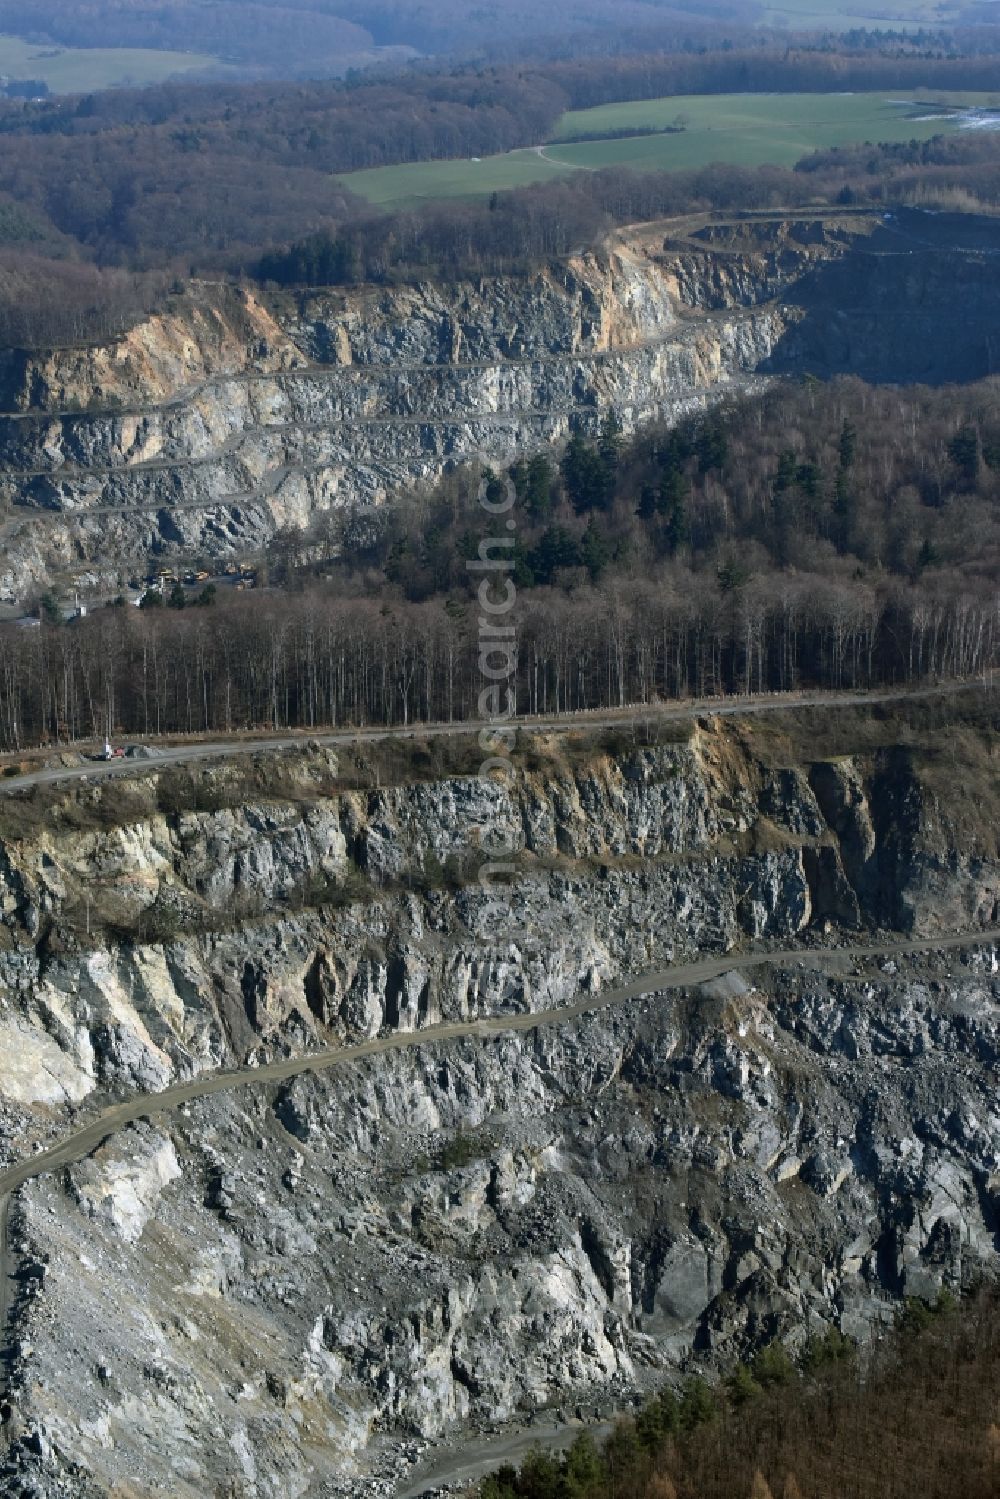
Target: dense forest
(915, 1418)
(317, 38)
(239, 32)
(179, 180)
(843, 480)
(819, 536)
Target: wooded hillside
(822, 536)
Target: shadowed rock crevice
(916, 302)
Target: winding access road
(7, 1289)
(81, 1142)
(480, 1456)
(636, 716)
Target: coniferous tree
(594, 550)
(672, 505)
(963, 450)
(610, 444)
(844, 511)
(848, 445)
(788, 468)
(538, 491)
(585, 476)
(711, 445)
(557, 548)
(648, 503)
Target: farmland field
(846, 15)
(821, 118)
(739, 129)
(71, 70)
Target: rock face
(122, 1181)
(468, 1234)
(291, 1288)
(208, 429)
(903, 296)
(627, 864)
(162, 942)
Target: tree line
(832, 537)
(45, 302)
(183, 176)
(323, 38)
(911, 1419)
(306, 39)
(305, 35)
(315, 660)
(865, 61)
(516, 231)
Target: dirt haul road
(81, 1142)
(636, 717)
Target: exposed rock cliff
(284, 1288)
(207, 429)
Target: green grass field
(419, 182)
(821, 118)
(739, 129)
(846, 15)
(76, 70)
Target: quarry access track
(637, 717)
(81, 1142)
(686, 319)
